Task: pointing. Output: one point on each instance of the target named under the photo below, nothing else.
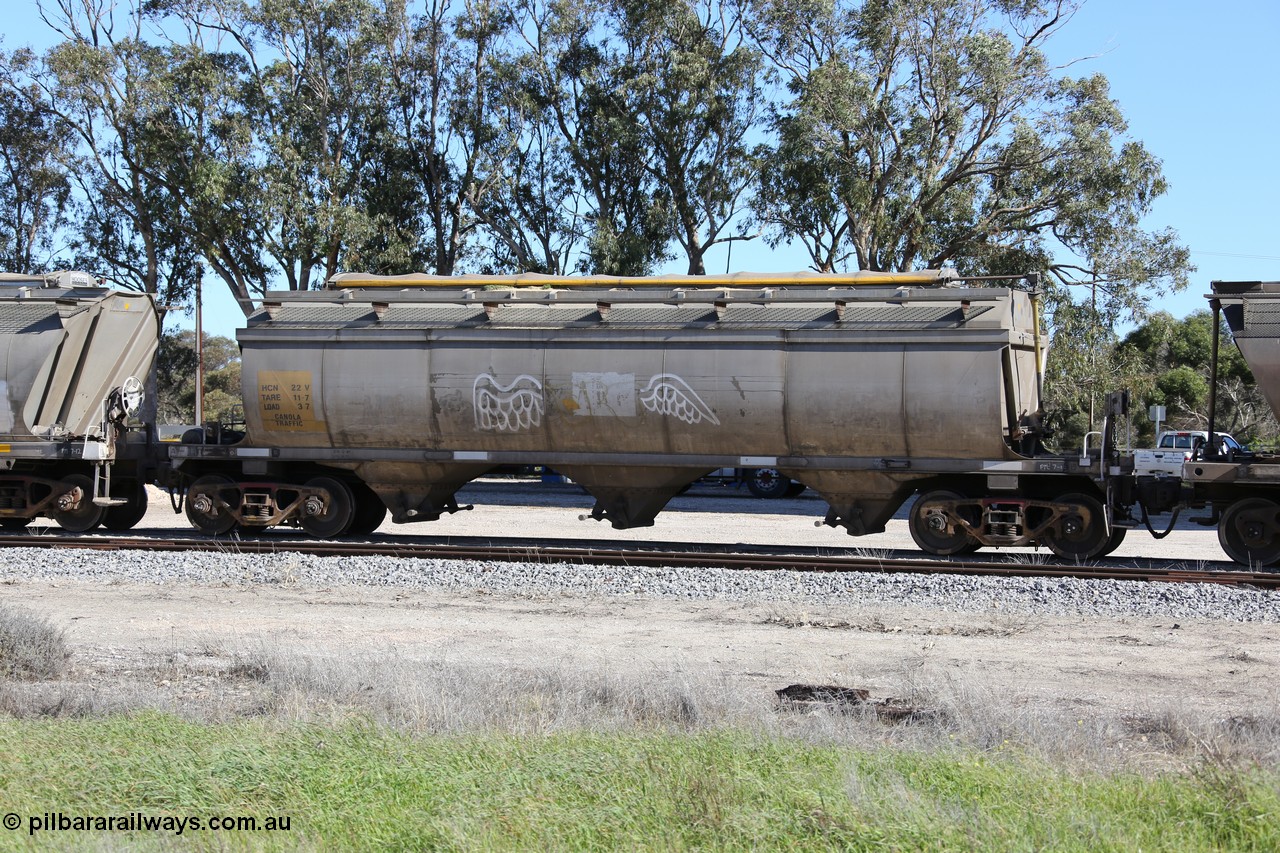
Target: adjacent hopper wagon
(74, 357)
(1243, 493)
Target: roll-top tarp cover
(739, 279)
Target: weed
(30, 646)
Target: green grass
(360, 786)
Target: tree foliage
(1172, 360)
(273, 143)
(35, 187)
(690, 86)
(289, 136)
(176, 377)
(105, 86)
(573, 74)
(934, 132)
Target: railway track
(650, 554)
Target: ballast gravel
(957, 593)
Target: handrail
(1085, 461)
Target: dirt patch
(186, 643)
(198, 644)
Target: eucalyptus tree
(314, 99)
(934, 132)
(527, 210)
(35, 188)
(691, 86)
(1173, 359)
(176, 377)
(442, 68)
(105, 84)
(216, 172)
(572, 70)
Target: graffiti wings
(507, 408)
(519, 404)
(668, 394)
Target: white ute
(1178, 446)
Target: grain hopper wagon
(393, 392)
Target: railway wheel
(933, 529)
(328, 517)
(370, 511)
(1250, 532)
(208, 509)
(767, 483)
(1116, 540)
(1080, 534)
(127, 515)
(75, 510)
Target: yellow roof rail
(738, 279)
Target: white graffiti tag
(507, 408)
(668, 394)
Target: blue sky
(1196, 81)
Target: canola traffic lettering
(286, 401)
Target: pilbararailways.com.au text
(142, 822)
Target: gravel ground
(173, 625)
(954, 593)
(550, 513)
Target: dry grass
(455, 697)
(449, 696)
(30, 646)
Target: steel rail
(638, 555)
